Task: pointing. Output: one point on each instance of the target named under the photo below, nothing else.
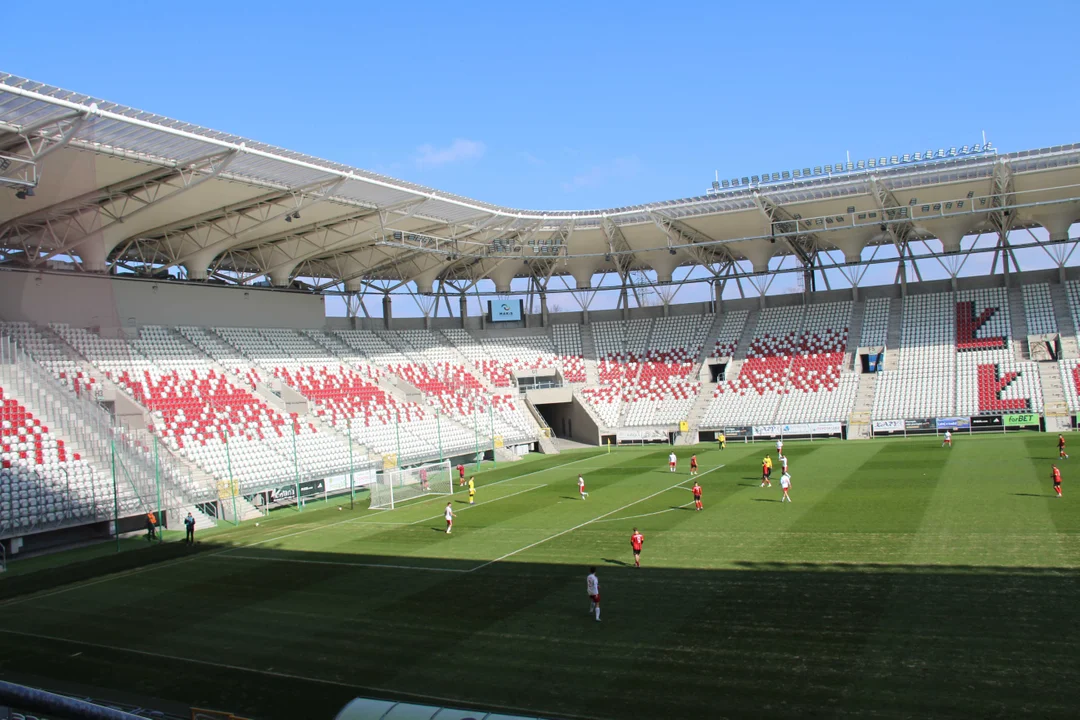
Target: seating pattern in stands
(1039, 309)
(52, 357)
(41, 483)
(796, 369)
(730, 332)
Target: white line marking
(366, 689)
(475, 505)
(171, 563)
(587, 522)
(266, 558)
(658, 512)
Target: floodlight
(828, 169)
(929, 154)
(941, 152)
(786, 175)
(29, 192)
(754, 179)
(21, 194)
(952, 151)
(882, 162)
(726, 183)
(806, 172)
(851, 209)
(849, 166)
(965, 150)
(872, 162)
(817, 170)
(918, 157)
(894, 160)
(288, 218)
(971, 194)
(607, 257)
(907, 157)
(671, 250)
(776, 176)
(796, 173)
(296, 215)
(734, 182)
(861, 165)
(746, 181)
(913, 201)
(978, 147)
(715, 185)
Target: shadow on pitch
(1034, 495)
(765, 500)
(611, 561)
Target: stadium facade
(163, 294)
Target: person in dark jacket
(189, 525)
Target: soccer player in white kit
(783, 464)
(581, 487)
(785, 485)
(779, 446)
(671, 460)
(449, 515)
(592, 586)
(947, 440)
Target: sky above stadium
(575, 105)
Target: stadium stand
(730, 332)
(1039, 309)
(875, 328)
(795, 370)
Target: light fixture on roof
(907, 157)
(913, 201)
(861, 165)
(607, 257)
(296, 215)
(671, 250)
(288, 218)
(918, 157)
(851, 209)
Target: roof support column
(463, 304)
(388, 312)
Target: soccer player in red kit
(636, 540)
(461, 475)
(693, 464)
(1061, 448)
(697, 495)
(1056, 476)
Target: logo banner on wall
(985, 421)
(887, 425)
(1021, 420)
(953, 423)
(642, 435)
(919, 424)
(738, 431)
(799, 429)
(360, 478)
(307, 489)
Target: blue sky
(575, 105)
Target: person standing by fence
(189, 527)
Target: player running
(636, 541)
(1056, 477)
(693, 464)
(766, 471)
(785, 485)
(460, 475)
(672, 461)
(449, 515)
(472, 490)
(697, 495)
(581, 487)
(592, 586)
(722, 439)
(947, 440)
(1062, 455)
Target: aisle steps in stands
(588, 351)
(892, 343)
(858, 308)
(1019, 329)
(1065, 321)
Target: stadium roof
(122, 190)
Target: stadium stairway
(1066, 325)
(588, 351)
(892, 342)
(1055, 404)
(546, 437)
(858, 310)
(1019, 329)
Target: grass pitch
(905, 580)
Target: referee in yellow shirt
(472, 491)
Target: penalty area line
(587, 522)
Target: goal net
(396, 486)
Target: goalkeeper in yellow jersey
(472, 491)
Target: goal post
(398, 485)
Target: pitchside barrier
(969, 425)
(370, 709)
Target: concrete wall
(110, 302)
(581, 425)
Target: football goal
(396, 486)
